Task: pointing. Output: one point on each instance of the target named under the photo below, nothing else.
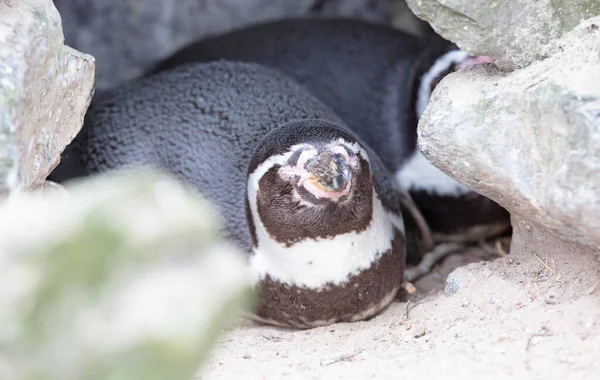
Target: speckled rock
(45, 89)
(513, 32)
(529, 140)
(125, 278)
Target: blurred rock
(49, 187)
(123, 279)
(127, 36)
(513, 32)
(45, 89)
(529, 140)
(370, 10)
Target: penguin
(378, 80)
(305, 197)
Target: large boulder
(45, 89)
(513, 32)
(123, 278)
(529, 140)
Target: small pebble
(453, 283)
(550, 299)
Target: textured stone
(513, 32)
(529, 140)
(45, 89)
(125, 278)
(454, 281)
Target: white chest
(315, 263)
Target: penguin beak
(337, 178)
(329, 172)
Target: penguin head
(313, 181)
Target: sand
(526, 315)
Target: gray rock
(529, 140)
(454, 281)
(513, 32)
(124, 278)
(126, 37)
(45, 89)
(370, 10)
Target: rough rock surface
(529, 140)
(513, 32)
(45, 89)
(124, 278)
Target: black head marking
(311, 131)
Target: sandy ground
(512, 317)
